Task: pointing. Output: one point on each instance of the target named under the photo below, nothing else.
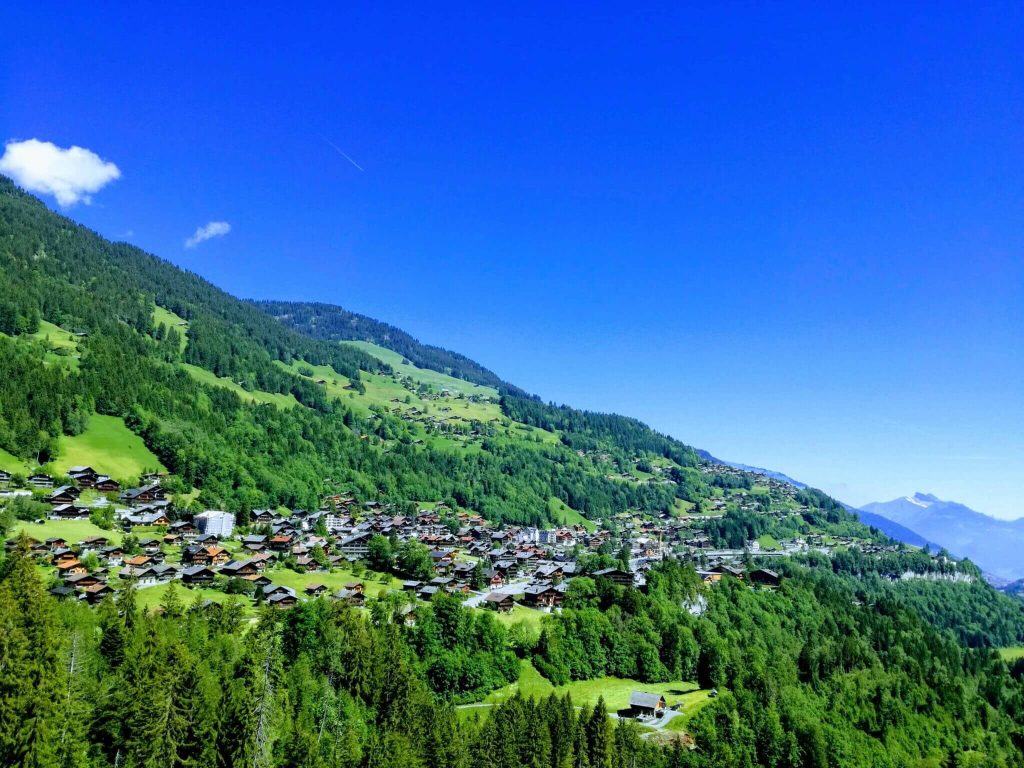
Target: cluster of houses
(493, 567)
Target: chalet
(145, 494)
(62, 556)
(728, 570)
(81, 580)
(205, 555)
(315, 590)
(411, 586)
(464, 570)
(40, 481)
(350, 596)
(133, 565)
(106, 484)
(66, 494)
(261, 516)
(184, 528)
(5, 477)
(85, 477)
(69, 512)
(97, 593)
(646, 704)
(277, 589)
(94, 542)
(542, 596)
(71, 568)
(549, 572)
(148, 519)
(356, 586)
(764, 577)
(56, 542)
(150, 546)
(500, 601)
(616, 576)
(112, 554)
(282, 600)
(357, 544)
(495, 580)
(198, 574)
(63, 592)
(281, 542)
(239, 568)
(507, 568)
(155, 574)
(254, 540)
(427, 592)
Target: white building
(219, 524)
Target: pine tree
(599, 736)
(31, 677)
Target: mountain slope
(995, 545)
(333, 323)
(252, 413)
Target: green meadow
(109, 447)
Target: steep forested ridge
(327, 321)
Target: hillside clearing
(615, 690)
(109, 447)
(72, 531)
(209, 378)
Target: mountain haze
(995, 545)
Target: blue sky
(793, 236)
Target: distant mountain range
(994, 545)
(889, 527)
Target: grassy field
(615, 690)
(207, 377)
(390, 393)
(769, 542)
(520, 613)
(150, 597)
(334, 580)
(109, 447)
(171, 320)
(1013, 653)
(438, 380)
(566, 515)
(62, 344)
(11, 463)
(71, 530)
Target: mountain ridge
(992, 543)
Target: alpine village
(282, 534)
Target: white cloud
(205, 232)
(71, 175)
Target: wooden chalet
(85, 477)
(69, 512)
(646, 704)
(40, 480)
(500, 601)
(198, 574)
(616, 576)
(66, 494)
(97, 593)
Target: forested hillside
(327, 321)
